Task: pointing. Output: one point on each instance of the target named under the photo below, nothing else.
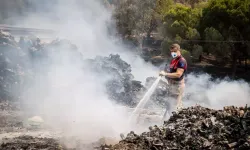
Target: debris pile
(195, 128)
(120, 85)
(10, 67)
(21, 61)
(7, 39)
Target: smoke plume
(69, 98)
(75, 99)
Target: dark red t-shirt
(178, 62)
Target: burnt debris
(21, 61)
(195, 128)
(120, 85)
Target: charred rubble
(195, 128)
(16, 71)
(21, 61)
(120, 85)
(10, 66)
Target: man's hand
(157, 57)
(162, 73)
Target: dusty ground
(17, 132)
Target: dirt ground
(29, 142)
(18, 133)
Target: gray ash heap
(120, 85)
(19, 62)
(10, 66)
(195, 128)
(22, 61)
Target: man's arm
(179, 71)
(176, 74)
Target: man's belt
(174, 82)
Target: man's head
(175, 50)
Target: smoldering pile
(10, 68)
(120, 85)
(21, 62)
(195, 128)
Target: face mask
(174, 54)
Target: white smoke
(75, 100)
(203, 90)
(68, 97)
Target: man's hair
(175, 46)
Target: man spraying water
(175, 75)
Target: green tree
(192, 3)
(135, 17)
(197, 51)
(186, 54)
(163, 6)
(125, 17)
(179, 25)
(145, 16)
(231, 18)
(214, 44)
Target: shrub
(186, 54)
(197, 51)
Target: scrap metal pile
(195, 128)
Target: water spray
(145, 98)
